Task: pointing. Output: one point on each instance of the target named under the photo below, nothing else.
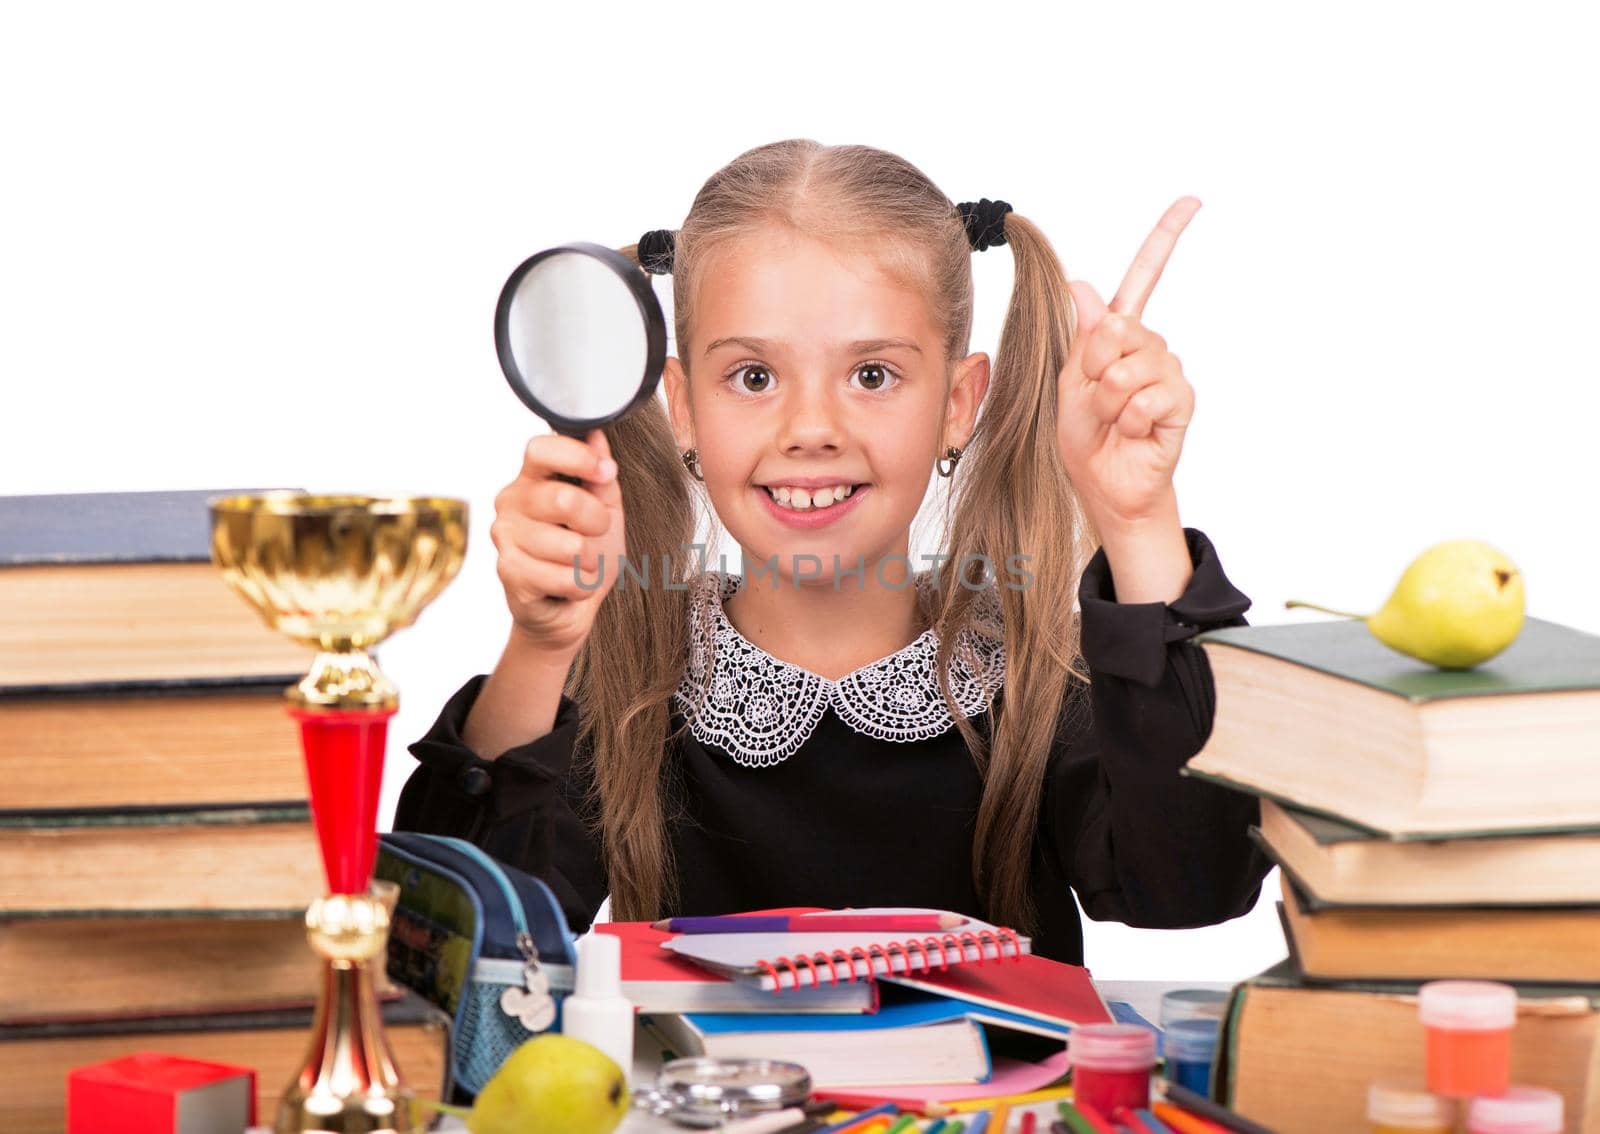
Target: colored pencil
(980, 1123)
(1152, 1122)
(1097, 1122)
(904, 1122)
(1029, 1122)
(1205, 1108)
(1140, 1121)
(938, 1125)
(1044, 1094)
(1000, 1116)
(1073, 1121)
(844, 1100)
(1183, 1122)
(813, 923)
(857, 1123)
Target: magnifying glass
(709, 1092)
(580, 336)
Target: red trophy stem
(344, 766)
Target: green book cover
(206, 816)
(1546, 657)
(1328, 830)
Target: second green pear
(1457, 605)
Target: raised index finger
(1152, 258)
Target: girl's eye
(758, 379)
(877, 376)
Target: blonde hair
(1011, 496)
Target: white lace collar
(760, 709)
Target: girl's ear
(677, 387)
(966, 395)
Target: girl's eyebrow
(857, 347)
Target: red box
(150, 1092)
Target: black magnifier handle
(570, 479)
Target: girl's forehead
(792, 286)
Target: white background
(254, 247)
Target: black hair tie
(655, 251)
(985, 221)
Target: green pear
(552, 1084)
(1457, 605)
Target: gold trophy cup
(340, 574)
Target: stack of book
(952, 1014)
(1428, 824)
(156, 847)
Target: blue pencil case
(483, 941)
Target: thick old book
(215, 860)
(1297, 1057)
(35, 1058)
(1555, 944)
(1324, 716)
(154, 744)
(81, 968)
(1340, 862)
(119, 586)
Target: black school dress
(793, 790)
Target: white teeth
(803, 499)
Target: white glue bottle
(597, 1013)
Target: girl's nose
(812, 424)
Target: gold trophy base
(348, 1083)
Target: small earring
(948, 462)
(691, 461)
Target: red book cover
(656, 980)
(1031, 986)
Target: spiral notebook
(777, 961)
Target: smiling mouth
(810, 499)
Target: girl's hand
(1122, 401)
(541, 524)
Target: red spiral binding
(970, 938)
(960, 950)
(909, 951)
(766, 967)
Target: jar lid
(1112, 1047)
(1521, 1110)
(1407, 1104)
(1191, 1041)
(1189, 1003)
(1469, 1005)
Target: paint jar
(1405, 1108)
(1111, 1065)
(1520, 1110)
(1469, 1026)
(1190, 1047)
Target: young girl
(833, 727)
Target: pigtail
(1012, 497)
(624, 675)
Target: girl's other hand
(541, 525)
(1123, 402)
